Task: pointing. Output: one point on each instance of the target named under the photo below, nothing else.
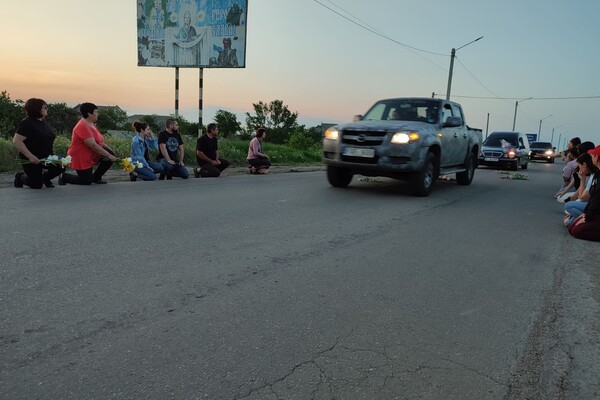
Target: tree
(62, 117)
(11, 113)
(112, 118)
(276, 117)
(186, 127)
(302, 138)
(228, 123)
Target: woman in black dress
(34, 140)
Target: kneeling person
(207, 154)
(170, 151)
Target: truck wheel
(421, 182)
(339, 177)
(465, 177)
(524, 166)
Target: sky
(325, 66)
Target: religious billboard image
(192, 33)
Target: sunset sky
(325, 66)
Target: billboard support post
(200, 89)
(176, 92)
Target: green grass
(233, 150)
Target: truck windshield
(404, 110)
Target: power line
(382, 35)
(373, 30)
(478, 81)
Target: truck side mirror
(452, 122)
(357, 117)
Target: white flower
(52, 158)
(139, 164)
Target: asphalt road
(282, 287)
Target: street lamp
(516, 106)
(552, 139)
(452, 55)
(540, 128)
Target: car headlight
(332, 134)
(405, 137)
(511, 154)
(549, 152)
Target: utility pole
(452, 55)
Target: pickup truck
(413, 139)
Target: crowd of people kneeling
(91, 157)
(580, 190)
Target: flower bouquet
(53, 160)
(128, 165)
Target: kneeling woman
(259, 161)
(88, 149)
(140, 144)
(34, 141)
(587, 225)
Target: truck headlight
(405, 137)
(332, 134)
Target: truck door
(462, 142)
(450, 138)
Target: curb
(117, 175)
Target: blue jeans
(174, 170)
(145, 174)
(156, 167)
(575, 208)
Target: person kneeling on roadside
(587, 225)
(210, 165)
(170, 152)
(259, 161)
(87, 149)
(140, 144)
(34, 140)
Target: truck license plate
(358, 152)
(494, 159)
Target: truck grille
(360, 160)
(363, 138)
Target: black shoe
(99, 182)
(161, 177)
(169, 177)
(18, 183)
(132, 177)
(196, 172)
(61, 181)
(48, 183)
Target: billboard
(192, 33)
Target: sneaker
(48, 183)
(161, 177)
(196, 172)
(132, 177)
(99, 182)
(18, 183)
(61, 181)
